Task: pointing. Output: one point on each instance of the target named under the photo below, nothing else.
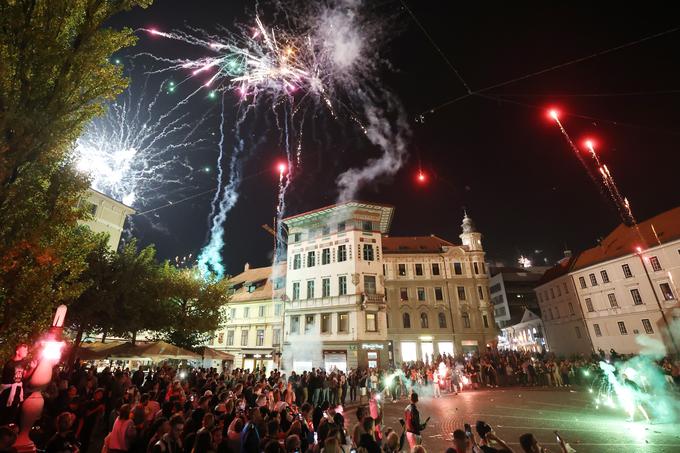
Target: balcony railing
(336, 301)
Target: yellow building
(108, 216)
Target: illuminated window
(371, 322)
(343, 322)
(402, 270)
(325, 322)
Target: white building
(438, 296)
(254, 319)
(108, 216)
(335, 308)
(512, 292)
(624, 287)
(527, 334)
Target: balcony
(347, 301)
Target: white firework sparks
(137, 155)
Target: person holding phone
(529, 444)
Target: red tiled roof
(624, 239)
(413, 244)
(562, 267)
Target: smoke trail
(392, 142)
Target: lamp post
(32, 407)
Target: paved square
(515, 411)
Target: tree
(55, 76)
(196, 305)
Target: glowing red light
(282, 167)
(422, 177)
(153, 31)
(554, 114)
(589, 144)
(52, 350)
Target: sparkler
(135, 154)
(325, 58)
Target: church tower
(470, 236)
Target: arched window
(466, 320)
(424, 322)
(442, 321)
(407, 321)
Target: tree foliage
(54, 77)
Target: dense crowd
(182, 410)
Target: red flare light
(554, 114)
(422, 177)
(282, 167)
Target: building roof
(562, 267)
(258, 279)
(624, 240)
(127, 209)
(385, 211)
(414, 244)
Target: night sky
(501, 159)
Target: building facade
(108, 216)
(437, 296)
(335, 293)
(253, 332)
(625, 287)
(512, 292)
(526, 335)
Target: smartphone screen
(557, 436)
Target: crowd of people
(166, 409)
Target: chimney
(246, 267)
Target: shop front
(470, 346)
(373, 355)
(335, 360)
(260, 360)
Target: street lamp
(50, 354)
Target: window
(406, 320)
(593, 279)
(647, 325)
(582, 282)
(325, 231)
(637, 299)
(309, 323)
(461, 292)
(294, 324)
(341, 227)
(485, 320)
(589, 304)
(559, 291)
(402, 270)
(230, 338)
(296, 291)
(246, 312)
(566, 289)
(480, 291)
(622, 328)
(442, 321)
(403, 293)
(476, 267)
(458, 268)
(366, 225)
(368, 252)
(419, 269)
(612, 300)
(325, 322)
(384, 269)
(421, 293)
(232, 313)
(424, 321)
(276, 336)
(297, 237)
(310, 289)
(483, 268)
(325, 287)
(343, 322)
(466, 320)
(220, 337)
(260, 311)
(578, 332)
(605, 276)
(259, 341)
(598, 331)
(277, 310)
(296, 261)
(244, 337)
(311, 259)
(654, 261)
(666, 291)
(438, 294)
(342, 253)
(435, 268)
(626, 271)
(369, 284)
(371, 322)
(342, 285)
(325, 256)
(571, 308)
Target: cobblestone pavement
(513, 412)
